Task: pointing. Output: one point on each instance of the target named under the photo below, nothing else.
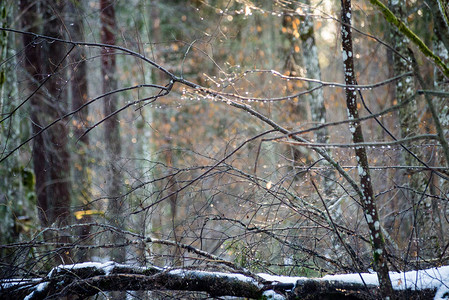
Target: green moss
(28, 179)
(392, 19)
(2, 78)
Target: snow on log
(88, 279)
(423, 284)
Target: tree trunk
(316, 98)
(16, 184)
(58, 156)
(413, 224)
(50, 153)
(441, 48)
(298, 108)
(367, 200)
(441, 83)
(111, 125)
(81, 188)
(170, 226)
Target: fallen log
(88, 279)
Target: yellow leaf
(81, 213)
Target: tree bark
(79, 92)
(33, 65)
(316, 98)
(17, 202)
(50, 154)
(413, 222)
(441, 48)
(298, 108)
(367, 200)
(111, 125)
(58, 157)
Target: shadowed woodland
(201, 149)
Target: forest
(224, 149)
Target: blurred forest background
(153, 145)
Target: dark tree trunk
(368, 200)
(43, 62)
(111, 125)
(33, 66)
(79, 88)
(58, 192)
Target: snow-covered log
(424, 284)
(87, 279)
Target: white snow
(235, 276)
(39, 288)
(359, 168)
(96, 265)
(345, 56)
(106, 266)
(281, 279)
(9, 283)
(442, 293)
(434, 278)
(270, 294)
